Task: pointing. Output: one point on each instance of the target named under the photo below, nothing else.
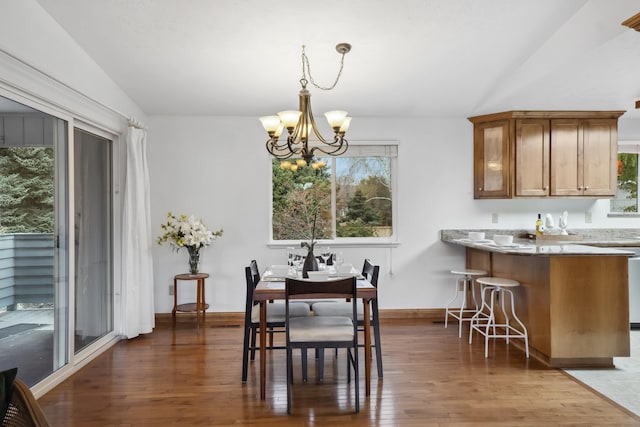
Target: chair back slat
(371, 272)
(341, 288)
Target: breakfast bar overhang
(573, 298)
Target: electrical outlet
(494, 218)
(587, 217)
(170, 289)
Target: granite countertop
(588, 242)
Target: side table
(200, 305)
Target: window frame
(392, 148)
(631, 147)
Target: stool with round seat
(484, 321)
(464, 285)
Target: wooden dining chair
(316, 332)
(340, 308)
(275, 318)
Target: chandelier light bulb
(335, 118)
(285, 165)
(345, 125)
(270, 123)
(279, 131)
(289, 118)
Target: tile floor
(620, 384)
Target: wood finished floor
(431, 378)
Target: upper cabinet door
(583, 157)
(532, 158)
(491, 160)
(599, 157)
(566, 150)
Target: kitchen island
(573, 298)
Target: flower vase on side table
(194, 259)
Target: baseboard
(237, 318)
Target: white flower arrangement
(187, 231)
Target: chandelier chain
(306, 69)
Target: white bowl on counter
(476, 235)
(503, 239)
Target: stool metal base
(484, 321)
(463, 285)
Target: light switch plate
(494, 218)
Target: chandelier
(301, 125)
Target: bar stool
(464, 283)
(485, 322)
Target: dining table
(272, 288)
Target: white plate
(513, 245)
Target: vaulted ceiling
(409, 57)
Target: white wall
(30, 34)
(217, 168)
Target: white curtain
(137, 287)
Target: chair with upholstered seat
(341, 308)
(275, 318)
(320, 332)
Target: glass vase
(194, 259)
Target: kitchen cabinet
(583, 157)
(532, 157)
(545, 154)
(491, 159)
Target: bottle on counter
(539, 226)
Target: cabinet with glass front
(545, 154)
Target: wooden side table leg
(175, 299)
(204, 303)
(198, 300)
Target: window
(626, 199)
(349, 198)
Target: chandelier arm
(282, 150)
(312, 122)
(341, 147)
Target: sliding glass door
(56, 241)
(92, 225)
(34, 302)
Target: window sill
(336, 244)
(623, 215)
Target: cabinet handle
(586, 187)
(479, 188)
(580, 187)
(545, 188)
